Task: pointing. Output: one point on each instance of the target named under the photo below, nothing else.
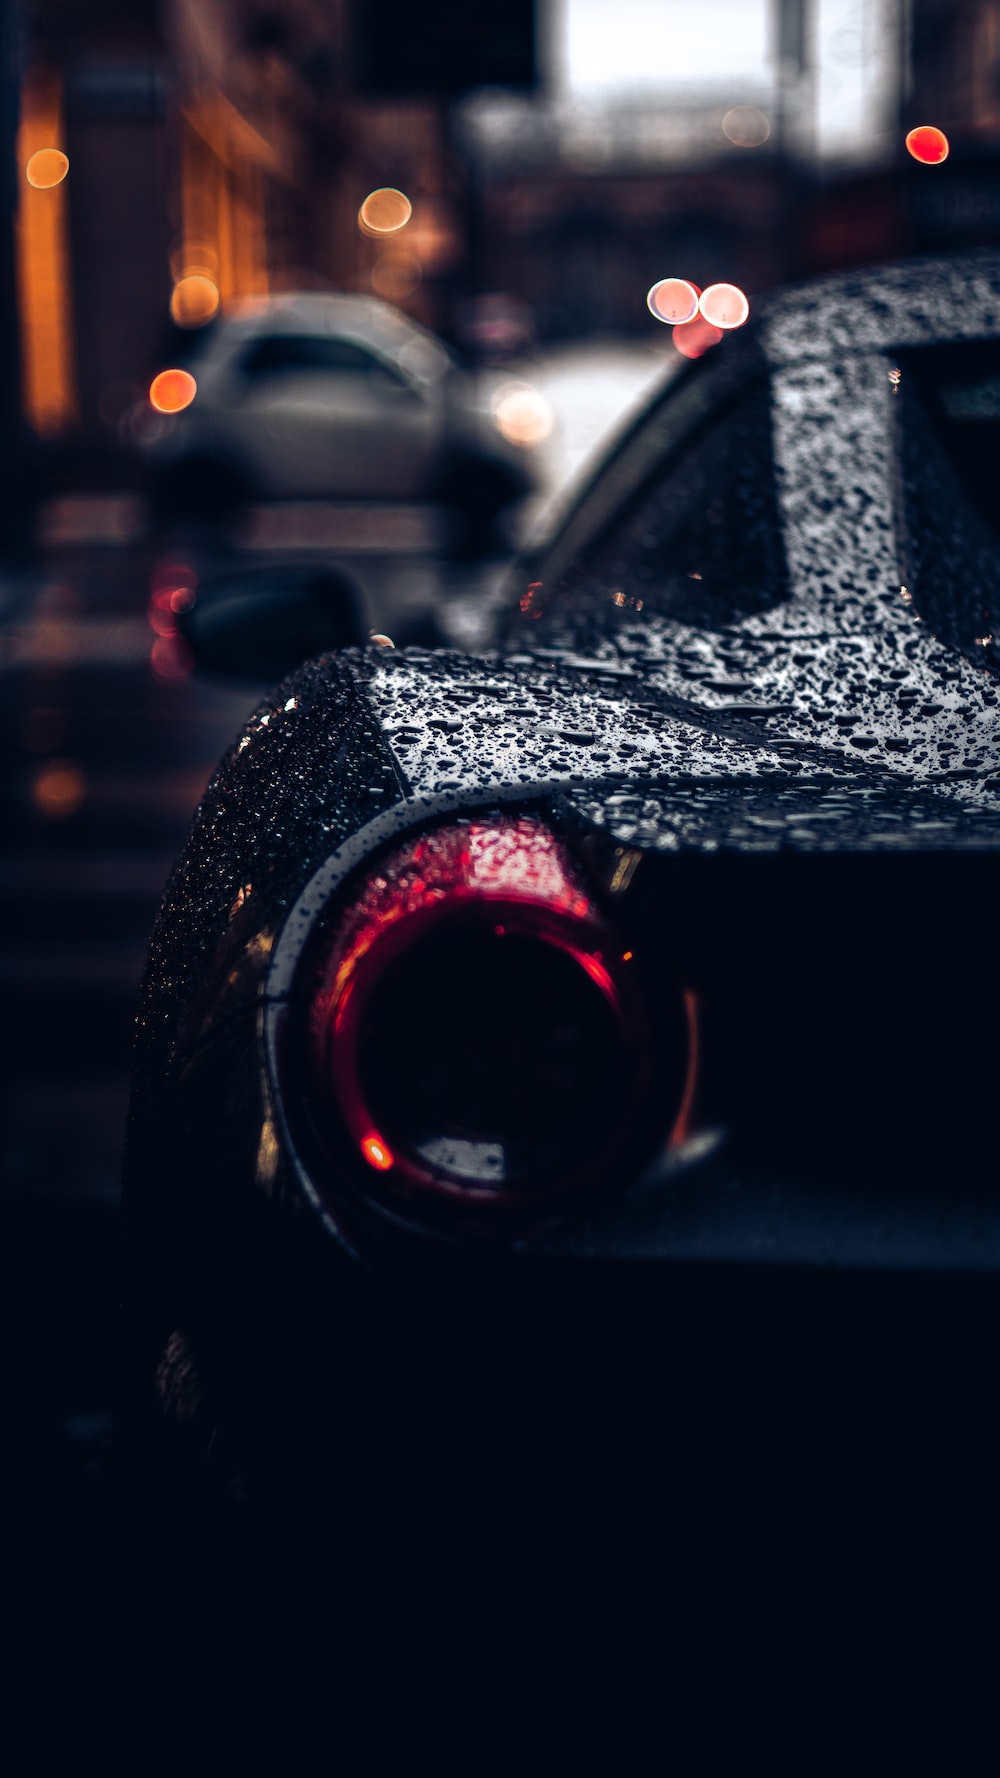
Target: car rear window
(276, 352)
(692, 529)
(948, 432)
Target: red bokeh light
(724, 305)
(171, 659)
(928, 145)
(674, 300)
(160, 613)
(174, 573)
(166, 602)
(173, 592)
(695, 337)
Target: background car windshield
(949, 438)
(279, 352)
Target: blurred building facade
(949, 76)
(222, 148)
(216, 149)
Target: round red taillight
(478, 1036)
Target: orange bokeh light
(59, 788)
(377, 1153)
(724, 305)
(172, 391)
(194, 300)
(695, 337)
(928, 145)
(673, 300)
(47, 167)
(385, 212)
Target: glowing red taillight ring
(505, 875)
(343, 1018)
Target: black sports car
(662, 933)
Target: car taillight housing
(479, 1040)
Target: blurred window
(278, 353)
(694, 532)
(948, 410)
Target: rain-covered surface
(309, 769)
(832, 722)
(841, 676)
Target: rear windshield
(948, 413)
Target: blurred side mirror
(260, 623)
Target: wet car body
(766, 742)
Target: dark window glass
(702, 544)
(948, 409)
(685, 515)
(277, 352)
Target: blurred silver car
(317, 396)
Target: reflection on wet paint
(377, 1153)
(268, 1155)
